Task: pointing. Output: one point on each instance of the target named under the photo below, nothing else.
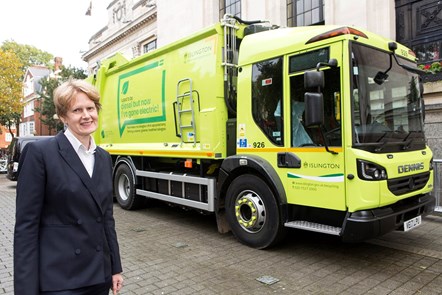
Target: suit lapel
(70, 156)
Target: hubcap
(250, 211)
(123, 187)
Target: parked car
(14, 152)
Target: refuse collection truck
(317, 128)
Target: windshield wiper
(381, 147)
(386, 142)
(389, 132)
(407, 143)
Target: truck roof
(269, 44)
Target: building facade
(30, 122)
(131, 29)
(419, 26)
(135, 27)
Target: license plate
(412, 223)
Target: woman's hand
(117, 283)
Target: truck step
(313, 226)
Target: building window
(232, 7)
(419, 27)
(28, 109)
(23, 129)
(31, 128)
(305, 12)
(152, 45)
(428, 52)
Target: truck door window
(331, 129)
(267, 106)
(301, 136)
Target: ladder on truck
(182, 110)
(230, 53)
(230, 61)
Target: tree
(28, 54)
(10, 89)
(16, 57)
(46, 109)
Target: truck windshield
(387, 112)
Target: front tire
(124, 188)
(253, 213)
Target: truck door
(318, 180)
(311, 175)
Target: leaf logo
(125, 87)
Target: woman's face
(81, 117)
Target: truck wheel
(252, 212)
(124, 188)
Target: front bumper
(367, 224)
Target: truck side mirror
(314, 109)
(314, 79)
(314, 103)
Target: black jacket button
(77, 251)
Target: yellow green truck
(317, 128)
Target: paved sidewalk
(171, 251)
(7, 218)
(425, 240)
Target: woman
(65, 240)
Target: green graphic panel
(141, 96)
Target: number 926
(258, 145)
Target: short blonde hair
(66, 92)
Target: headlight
(371, 171)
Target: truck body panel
(141, 117)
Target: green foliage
(72, 72)
(28, 54)
(46, 109)
(10, 121)
(10, 89)
(15, 59)
(434, 67)
(414, 95)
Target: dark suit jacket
(65, 231)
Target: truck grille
(403, 185)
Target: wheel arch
(234, 166)
(129, 162)
(125, 182)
